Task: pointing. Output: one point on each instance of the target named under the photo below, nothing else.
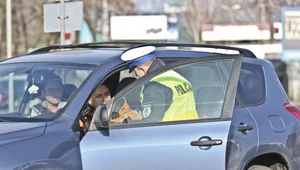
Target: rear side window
(251, 87)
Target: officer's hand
(126, 106)
(125, 112)
(133, 115)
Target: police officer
(166, 97)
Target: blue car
(245, 120)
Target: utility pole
(94, 14)
(105, 19)
(262, 12)
(62, 22)
(8, 29)
(9, 55)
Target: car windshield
(39, 91)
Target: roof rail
(109, 44)
(132, 44)
(245, 52)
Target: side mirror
(101, 117)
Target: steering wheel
(84, 129)
(85, 113)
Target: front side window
(187, 92)
(33, 92)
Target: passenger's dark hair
(50, 76)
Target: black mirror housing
(101, 117)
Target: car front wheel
(259, 167)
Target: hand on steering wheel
(85, 118)
(84, 126)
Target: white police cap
(135, 54)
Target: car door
(182, 144)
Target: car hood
(16, 131)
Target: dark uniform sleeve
(157, 100)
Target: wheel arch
(272, 159)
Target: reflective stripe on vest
(183, 105)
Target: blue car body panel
(157, 147)
(55, 142)
(241, 145)
(16, 132)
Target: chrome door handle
(207, 143)
(242, 128)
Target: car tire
(46, 165)
(259, 167)
(278, 166)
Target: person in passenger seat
(99, 97)
(52, 91)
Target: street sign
(290, 18)
(139, 27)
(73, 16)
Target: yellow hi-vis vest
(183, 105)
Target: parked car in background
(245, 118)
(280, 68)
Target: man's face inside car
(53, 92)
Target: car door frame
(229, 98)
(231, 90)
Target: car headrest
(68, 89)
(124, 82)
(209, 94)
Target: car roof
(87, 56)
(92, 53)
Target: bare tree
(2, 28)
(27, 23)
(198, 12)
(93, 11)
(28, 29)
(265, 11)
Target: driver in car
(52, 90)
(100, 96)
